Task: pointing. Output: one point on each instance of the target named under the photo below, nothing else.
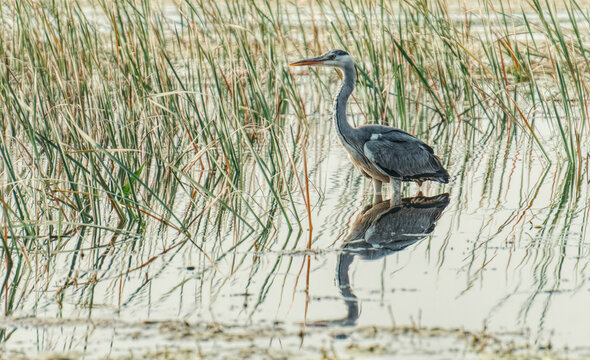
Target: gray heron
(382, 153)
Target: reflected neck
(350, 299)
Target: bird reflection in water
(381, 230)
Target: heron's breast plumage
(364, 164)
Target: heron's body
(383, 153)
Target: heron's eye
(332, 57)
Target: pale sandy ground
(181, 340)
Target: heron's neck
(345, 131)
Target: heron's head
(335, 58)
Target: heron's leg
(419, 193)
(396, 192)
(378, 195)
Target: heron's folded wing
(401, 156)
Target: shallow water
(508, 254)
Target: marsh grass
(123, 119)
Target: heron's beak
(312, 61)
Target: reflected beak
(312, 61)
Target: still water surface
(503, 247)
